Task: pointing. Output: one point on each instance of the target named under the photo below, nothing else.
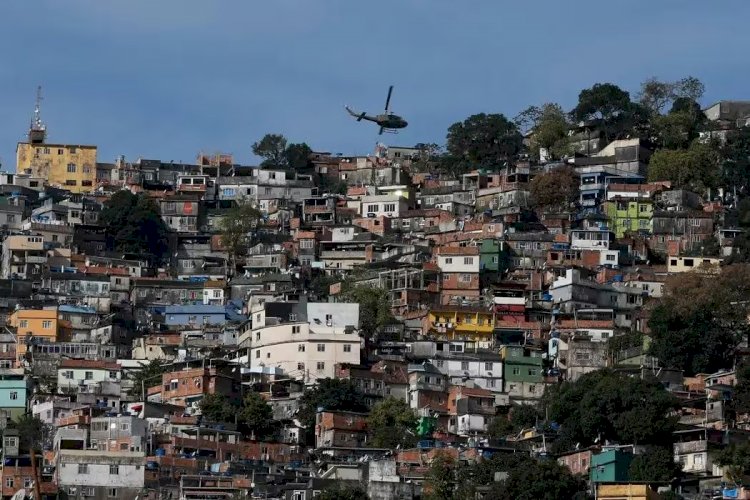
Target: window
(114, 469)
(610, 257)
(296, 329)
(306, 244)
(112, 492)
(689, 262)
(321, 366)
(217, 294)
(516, 371)
(488, 367)
(672, 262)
(321, 348)
(465, 278)
(468, 261)
(83, 468)
(464, 365)
(301, 348)
(257, 354)
(10, 218)
(46, 324)
(68, 374)
(532, 371)
(71, 168)
(86, 169)
(9, 482)
(347, 348)
(389, 207)
(372, 208)
(23, 323)
(440, 363)
(532, 389)
(14, 395)
(449, 260)
(88, 375)
(490, 382)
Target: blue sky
(168, 78)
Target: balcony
(343, 254)
(691, 447)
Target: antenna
(37, 123)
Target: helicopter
(388, 121)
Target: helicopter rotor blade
(388, 99)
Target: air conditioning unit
(371, 215)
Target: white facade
(383, 205)
(300, 352)
(101, 474)
(458, 263)
(86, 377)
(213, 295)
(485, 374)
(589, 240)
(610, 258)
(468, 424)
(305, 350)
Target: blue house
(194, 315)
(14, 390)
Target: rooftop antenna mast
(37, 123)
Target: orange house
(41, 324)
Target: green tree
(32, 432)
(700, 319)
(735, 161)
(655, 465)
(217, 408)
(524, 416)
(558, 188)
(539, 480)
(339, 492)
(735, 459)
(611, 106)
(656, 95)
(235, 227)
(134, 225)
(610, 406)
(483, 141)
(500, 427)
(440, 480)
(256, 414)
(329, 394)
(695, 168)
(374, 308)
(392, 423)
(297, 156)
(549, 126)
(272, 148)
(148, 376)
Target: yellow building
(464, 323)
(67, 166)
(626, 492)
(709, 265)
(37, 323)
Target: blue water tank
(161, 452)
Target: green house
(522, 364)
(629, 215)
(610, 466)
(490, 258)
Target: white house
(117, 475)
(388, 205)
(305, 339)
